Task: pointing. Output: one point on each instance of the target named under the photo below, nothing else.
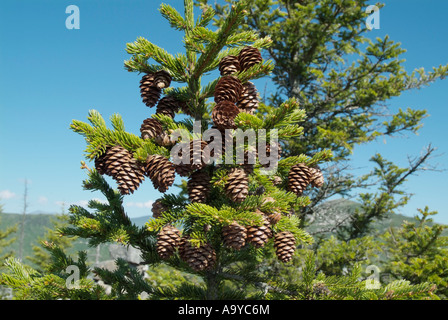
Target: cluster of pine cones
(231, 97)
(120, 164)
(234, 236)
(301, 175)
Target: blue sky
(50, 75)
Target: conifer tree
(194, 233)
(418, 252)
(41, 257)
(233, 213)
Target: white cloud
(42, 200)
(147, 204)
(6, 194)
(60, 203)
(82, 203)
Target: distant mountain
(140, 221)
(333, 212)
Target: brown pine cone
(274, 217)
(299, 178)
(198, 186)
(276, 180)
(185, 108)
(162, 79)
(228, 88)
(168, 240)
(224, 114)
(234, 235)
(149, 92)
(111, 160)
(258, 236)
(158, 208)
(164, 139)
(168, 106)
(130, 176)
(100, 162)
(285, 245)
(161, 172)
(229, 65)
(119, 163)
(248, 101)
(150, 128)
(198, 258)
(316, 177)
(237, 186)
(248, 57)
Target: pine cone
(167, 241)
(168, 106)
(130, 176)
(164, 139)
(100, 162)
(258, 236)
(237, 186)
(298, 178)
(198, 157)
(149, 92)
(285, 245)
(248, 101)
(228, 88)
(224, 114)
(162, 79)
(248, 57)
(276, 180)
(316, 177)
(150, 128)
(274, 217)
(198, 258)
(158, 208)
(229, 65)
(185, 108)
(198, 186)
(234, 235)
(111, 160)
(161, 172)
(119, 163)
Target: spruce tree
(418, 252)
(41, 257)
(232, 214)
(225, 200)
